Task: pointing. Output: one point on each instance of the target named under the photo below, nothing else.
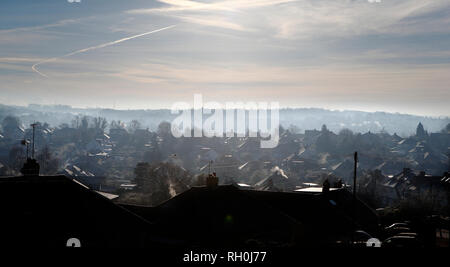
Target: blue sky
(390, 56)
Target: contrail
(34, 67)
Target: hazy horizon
(169, 108)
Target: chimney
(30, 168)
(212, 181)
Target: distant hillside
(359, 121)
(301, 118)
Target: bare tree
(100, 123)
(117, 124)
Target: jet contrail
(34, 67)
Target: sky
(391, 55)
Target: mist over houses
(299, 119)
(148, 172)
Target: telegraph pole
(354, 174)
(354, 196)
(34, 128)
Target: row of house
(409, 184)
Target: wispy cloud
(213, 21)
(350, 18)
(216, 14)
(300, 19)
(20, 59)
(230, 5)
(42, 27)
(34, 67)
(306, 79)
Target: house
(232, 216)
(251, 166)
(84, 176)
(344, 169)
(50, 210)
(207, 154)
(118, 135)
(439, 139)
(277, 182)
(141, 137)
(63, 135)
(399, 185)
(311, 136)
(249, 149)
(94, 146)
(409, 183)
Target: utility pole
(354, 174)
(30, 167)
(34, 128)
(354, 196)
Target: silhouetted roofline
(65, 179)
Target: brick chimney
(212, 181)
(30, 168)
